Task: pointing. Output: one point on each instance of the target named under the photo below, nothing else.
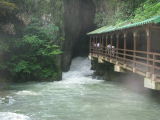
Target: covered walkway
(134, 47)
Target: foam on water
(80, 72)
(9, 100)
(12, 116)
(25, 92)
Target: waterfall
(79, 72)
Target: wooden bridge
(134, 47)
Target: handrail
(135, 57)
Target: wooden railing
(139, 60)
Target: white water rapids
(79, 73)
(77, 97)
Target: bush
(32, 57)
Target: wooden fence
(141, 61)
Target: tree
(32, 57)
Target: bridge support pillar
(100, 60)
(111, 61)
(107, 59)
(124, 66)
(134, 70)
(90, 58)
(118, 68)
(151, 84)
(148, 75)
(154, 77)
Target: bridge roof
(106, 29)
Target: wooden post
(117, 46)
(111, 40)
(102, 46)
(90, 45)
(96, 45)
(94, 48)
(98, 41)
(125, 37)
(135, 47)
(153, 70)
(106, 50)
(148, 32)
(106, 40)
(111, 45)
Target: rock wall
(78, 20)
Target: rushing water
(77, 97)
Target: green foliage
(33, 55)
(57, 9)
(26, 6)
(111, 11)
(126, 11)
(53, 9)
(146, 10)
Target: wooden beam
(94, 39)
(106, 52)
(134, 48)
(106, 40)
(111, 45)
(90, 45)
(148, 33)
(102, 41)
(125, 38)
(111, 39)
(117, 45)
(155, 27)
(153, 67)
(102, 46)
(96, 44)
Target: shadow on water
(135, 83)
(155, 95)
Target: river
(77, 97)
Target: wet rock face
(78, 20)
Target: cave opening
(78, 20)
